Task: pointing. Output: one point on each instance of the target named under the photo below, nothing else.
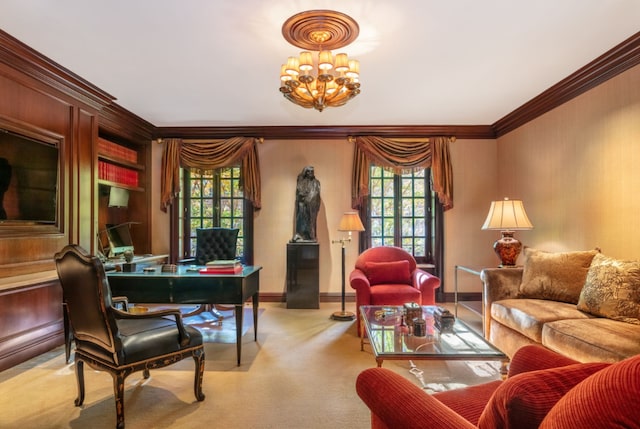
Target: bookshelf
(122, 164)
(119, 166)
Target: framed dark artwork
(29, 176)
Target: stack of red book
(222, 267)
(117, 151)
(117, 174)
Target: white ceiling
(423, 62)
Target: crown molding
(615, 61)
(328, 132)
(116, 120)
(28, 62)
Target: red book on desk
(222, 270)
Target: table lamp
(350, 222)
(507, 216)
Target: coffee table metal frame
(381, 326)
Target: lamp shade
(507, 215)
(306, 61)
(325, 60)
(350, 222)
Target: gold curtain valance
(401, 154)
(210, 154)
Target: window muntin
(401, 208)
(214, 199)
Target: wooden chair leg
(80, 382)
(68, 337)
(198, 357)
(118, 391)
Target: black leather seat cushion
(147, 338)
(143, 339)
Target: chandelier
(316, 79)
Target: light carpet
(299, 374)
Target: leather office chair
(388, 275)
(111, 340)
(213, 244)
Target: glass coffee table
(381, 325)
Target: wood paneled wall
(41, 95)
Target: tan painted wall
(577, 170)
(280, 163)
(475, 186)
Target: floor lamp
(350, 222)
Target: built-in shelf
(122, 163)
(118, 165)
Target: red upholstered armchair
(544, 390)
(388, 276)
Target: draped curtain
(400, 154)
(210, 154)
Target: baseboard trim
(324, 297)
(337, 297)
(462, 296)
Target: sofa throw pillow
(524, 400)
(387, 272)
(554, 276)
(607, 399)
(612, 290)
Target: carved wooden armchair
(116, 341)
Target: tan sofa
(594, 326)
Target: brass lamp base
(343, 316)
(508, 249)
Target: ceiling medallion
(318, 80)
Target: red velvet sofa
(543, 390)
(388, 275)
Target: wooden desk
(187, 287)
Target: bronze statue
(307, 206)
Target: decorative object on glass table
(412, 310)
(386, 312)
(419, 327)
(444, 319)
(404, 328)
